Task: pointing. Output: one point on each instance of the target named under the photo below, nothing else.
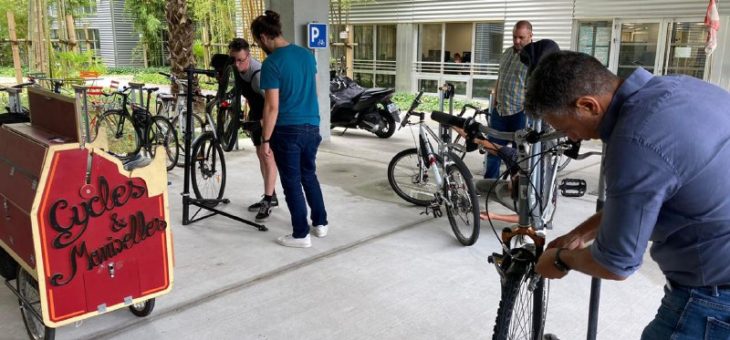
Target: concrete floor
(384, 272)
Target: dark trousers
(511, 123)
(295, 150)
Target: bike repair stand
(446, 92)
(596, 282)
(206, 204)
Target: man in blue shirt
(291, 126)
(666, 167)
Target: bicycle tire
(198, 130)
(161, 132)
(208, 168)
(462, 202)
(420, 189)
(28, 289)
(123, 139)
(228, 123)
(521, 313)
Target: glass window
(93, 39)
(386, 42)
(594, 38)
(364, 79)
(364, 42)
(459, 87)
(638, 47)
(337, 51)
(428, 85)
(481, 88)
(488, 42)
(687, 49)
(458, 42)
(385, 80)
(429, 42)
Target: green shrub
(430, 102)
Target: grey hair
(563, 77)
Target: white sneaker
(289, 241)
(319, 230)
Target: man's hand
(546, 265)
(266, 148)
(568, 241)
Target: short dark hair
(238, 44)
(561, 78)
(523, 23)
(267, 24)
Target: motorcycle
(352, 106)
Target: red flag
(712, 21)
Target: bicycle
(174, 108)
(436, 177)
(127, 133)
(228, 115)
(208, 165)
(523, 303)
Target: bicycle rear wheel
(228, 124)
(523, 306)
(462, 202)
(208, 168)
(121, 135)
(179, 124)
(161, 132)
(410, 179)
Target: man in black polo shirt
(249, 73)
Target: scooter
(352, 106)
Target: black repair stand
(596, 282)
(206, 204)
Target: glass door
(671, 46)
(638, 44)
(686, 49)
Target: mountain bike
(523, 304)
(128, 133)
(436, 177)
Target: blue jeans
(295, 150)
(691, 313)
(511, 123)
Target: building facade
(413, 45)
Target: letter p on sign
(317, 35)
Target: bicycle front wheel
(179, 124)
(208, 168)
(120, 133)
(228, 124)
(462, 202)
(410, 179)
(162, 133)
(522, 308)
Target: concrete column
(405, 55)
(295, 15)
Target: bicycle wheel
(522, 308)
(410, 179)
(161, 132)
(208, 168)
(28, 289)
(462, 202)
(228, 122)
(179, 124)
(121, 134)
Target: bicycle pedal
(572, 187)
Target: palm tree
(182, 35)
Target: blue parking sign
(317, 35)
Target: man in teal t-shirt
(291, 126)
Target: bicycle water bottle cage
(572, 187)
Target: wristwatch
(559, 263)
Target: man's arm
(576, 259)
(271, 113)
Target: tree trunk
(182, 36)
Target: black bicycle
(127, 133)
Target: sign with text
(104, 238)
(317, 36)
